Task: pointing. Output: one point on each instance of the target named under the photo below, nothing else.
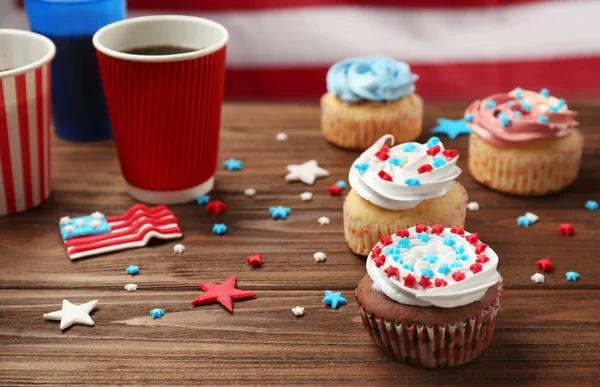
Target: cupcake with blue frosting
(367, 98)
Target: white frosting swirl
(402, 166)
(432, 259)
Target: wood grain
(548, 335)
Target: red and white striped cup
(165, 110)
(25, 119)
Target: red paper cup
(165, 110)
(24, 119)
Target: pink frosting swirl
(521, 116)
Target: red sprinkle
(409, 281)
(476, 267)
(215, 207)
(457, 230)
(450, 153)
(402, 233)
(425, 168)
(385, 148)
(437, 229)
(424, 282)
(566, 229)
(434, 150)
(384, 175)
(480, 248)
(458, 276)
(334, 190)
(473, 238)
(254, 260)
(380, 260)
(545, 264)
(482, 258)
(440, 282)
(382, 155)
(386, 240)
(391, 271)
(421, 227)
(376, 251)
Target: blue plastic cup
(78, 105)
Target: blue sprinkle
(505, 121)
(427, 272)
(510, 103)
(393, 251)
(219, 228)
(408, 267)
(341, 184)
(517, 114)
(542, 119)
(553, 109)
(404, 243)
(333, 299)
(423, 237)
(157, 313)
(233, 164)
(444, 269)
(591, 205)
(545, 92)
(449, 241)
(394, 161)
(132, 269)
(462, 257)
(459, 249)
(524, 105)
(523, 221)
(431, 259)
(397, 258)
(572, 276)
(203, 199)
(490, 104)
(468, 118)
(362, 167)
(561, 103)
(455, 264)
(433, 141)
(408, 147)
(279, 212)
(412, 182)
(519, 92)
(438, 162)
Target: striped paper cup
(165, 110)
(24, 119)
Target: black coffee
(160, 50)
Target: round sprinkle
(545, 92)
(490, 104)
(542, 119)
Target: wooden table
(547, 335)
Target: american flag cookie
(367, 98)
(431, 295)
(524, 142)
(398, 186)
(96, 234)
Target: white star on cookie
(298, 311)
(97, 215)
(95, 223)
(73, 314)
(323, 220)
(64, 220)
(319, 256)
(306, 173)
(306, 196)
(538, 278)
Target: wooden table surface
(546, 335)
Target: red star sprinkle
(382, 155)
(437, 229)
(254, 260)
(476, 268)
(473, 238)
(391, 271)
(409, 281)
(439, 283)
(215, 207)
(457, 230)
(384, 175)
(450, 153)
(380, 260)
(402, 233)
(424, 282)
(458, 276)
(385, 148)
(482, 258)
(376, 251)
(224, 293)
(420, 227)
(545, 264)
(386, 240)
(335, 190)
(425, 168)
(480, 248)
(434, 150)
(566, 229)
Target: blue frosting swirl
(370, 79)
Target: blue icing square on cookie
(82, 226)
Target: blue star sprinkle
(362, 167)
(157, 313)
(524, 221)
(444, 269)
(519, 92)
(412, 182)
(397, 258)
(408, 267)
(572, 276)
(404, 243)
(219, 228)
(438, 162)
(427, 272)
(280, 212)
(542, 119)
(459, 249)
(430, 258)
(545, 92)
(423, 237)
(455, 264)
(333, 299)
(591, 205)
(132, 269)
(451, 128)
(433, 141)
(449, 241)
(341, 184)
(517, 114)
(233, 164)
(393, 251)
(490, 104)
(203, 199)
(395, 161)
(409, 147)
(462, 257)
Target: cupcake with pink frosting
(524, 142)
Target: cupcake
(367, 98)
(431, 296)
(524, 143)
(396, 187)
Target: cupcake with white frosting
(431, 296)
(398, 186)
(367, 98)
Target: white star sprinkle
(179, 248)
(79, 223)
(131, 287)
(538, 278)
(250, 192)
(532, 217)
(281, 136)
(68, 229)
(97, 215)
(298, 311)
(323, 220)
(473, 206)
(64, 220)
(319, 256)
(306, 173)
(306, 196)
(95, 223)
(73, 314)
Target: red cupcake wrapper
(435, 346)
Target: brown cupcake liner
(359, 128)
(437, 346)
(524, 172)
